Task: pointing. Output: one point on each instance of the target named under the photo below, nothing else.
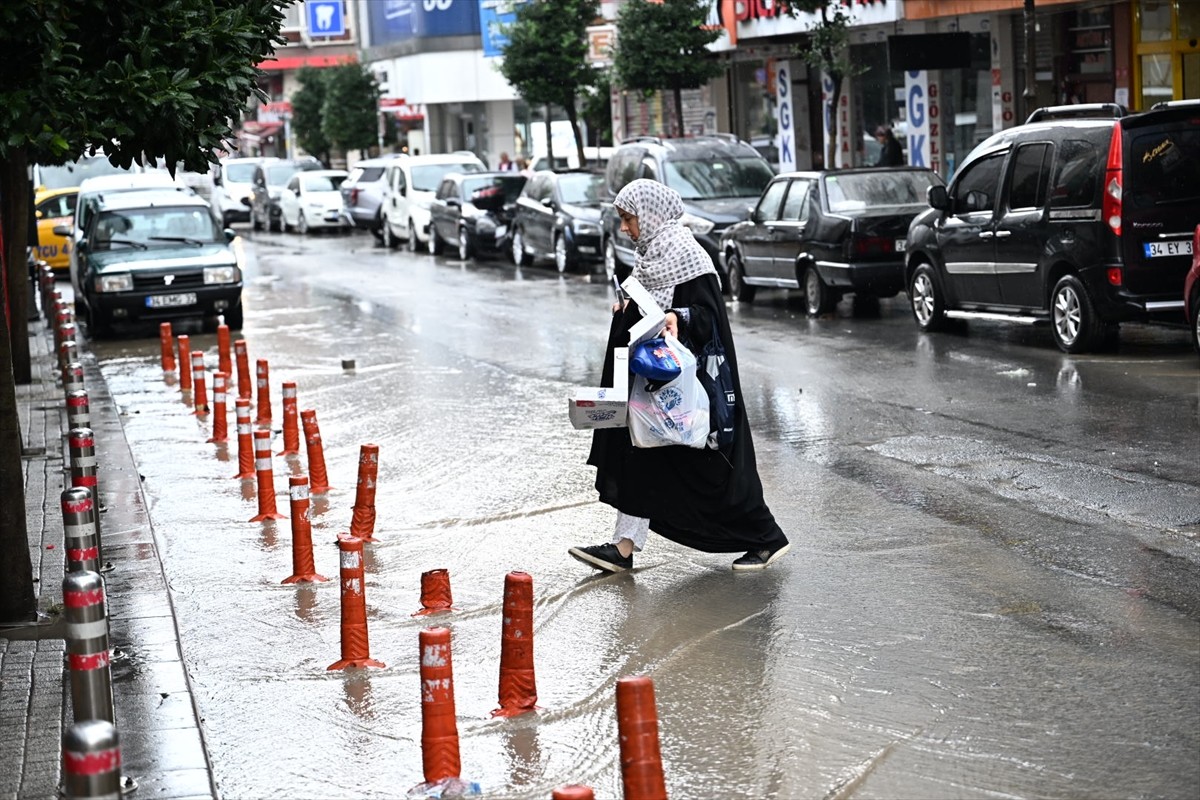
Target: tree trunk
(831, 155)
(17, 601)
(573, 117)
(679, 131)
(15, 217)
(549, 140)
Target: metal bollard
(88, 656)
(82, 447)
(72, 377)
(91, 753)
(79, 412)
(68, 351)
(79, 529)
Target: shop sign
(916, 101)
(786, 138)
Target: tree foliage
(663, 46)
(137, 80)
(828, 51)
(350, 112)
(308, 111)
(545, 59)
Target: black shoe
(760, 559)
(603, 556)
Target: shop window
(1187, 15)
(1155, 16)
(1156, 78)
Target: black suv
(719, 177)
(1081, 222)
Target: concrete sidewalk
(162, 742)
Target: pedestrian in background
(890, 153)
(706, 499)
(506, 165)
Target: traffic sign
(325, 18)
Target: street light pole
(1030, 93)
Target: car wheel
(377, 228)
(929, 310)
(234, 318)
(464, 244)
(610, 259)
(434, 244)
(413, 242)
(1075, 325)
(287, 226)
(738, 288)
(255, 222)
(302, 224)
(520, 256)
(818, 299)
(389, 239)
(562, 256)
(274, 225)
(96, 328)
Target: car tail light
(1111, 207)
(354, 196)
(1114, 276)
(872, 245)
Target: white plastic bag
(674, 413)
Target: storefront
(1166, 64)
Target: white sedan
(313, 200)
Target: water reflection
(359, 699)
(523, 754)
(306, 602)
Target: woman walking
(707, 499)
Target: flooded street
(993, 589)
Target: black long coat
(708, 500)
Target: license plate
(501, 230)
(1161, 249)
(900, 245)
(171, 300)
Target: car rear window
(427, 178)
(877, 190)
(1164, 166)
(581, 188)
(369, 174)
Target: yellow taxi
(54, 207)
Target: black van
(1081, 222)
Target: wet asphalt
(993, 590)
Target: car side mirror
(548, 202)
(63, 230)
(230, 234)
(246, 202)
(938, 197)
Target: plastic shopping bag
(672, 413)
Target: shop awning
(296, 62)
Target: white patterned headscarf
(667, 253)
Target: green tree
(137, 80)
(545, 59)
(662, 46)
(828, 51)
(350, 113)
(308, 111)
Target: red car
(1191, 291)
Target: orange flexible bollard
(291, 424)
(362, 521)
(220, 410)
(518, 687)
(439, 725)
(185, 362)
(199, 384)
(245, 434)
(356, 649)
(224, 363)
(573, 791)
(637, 726)
(435, 592)
(167, 346)
(303, 568)
(263, 383)
(318, 478)
(266, 478)
(244, 387)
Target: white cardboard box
(603, 407)
(653, 317)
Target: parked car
(1191, 291)
(74, 173)
(233, 180)
(474, 210)
(827, 233)
(362, 194)
(313, 199)
(149, 256)
(54, 208)
(93, 191)
(410, 184)
(558, 216)
(268, 182)
(1082, 223)
(719, 177)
